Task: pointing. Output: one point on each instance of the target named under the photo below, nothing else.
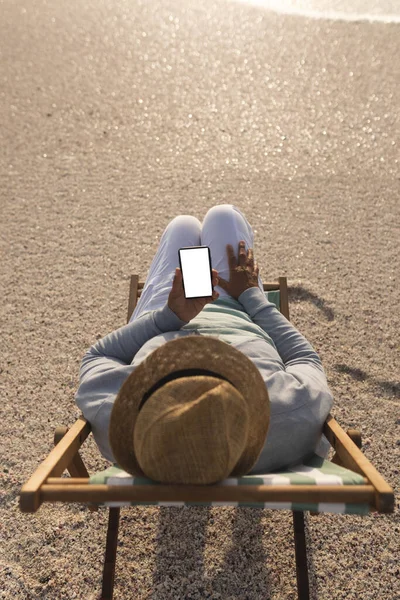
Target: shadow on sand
(389, 388)
(299, 292)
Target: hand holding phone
(186, 308)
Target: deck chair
(348, 483)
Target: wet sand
(116, 117)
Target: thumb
(177, 277)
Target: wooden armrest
(54, 465)
(352, 458)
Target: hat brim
(203, 352)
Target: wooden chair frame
(47, 485)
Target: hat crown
(191, 430)
(178, 358)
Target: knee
(220, 210)
(185, 221)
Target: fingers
(250, 256)
(214, 277)
(244, 257)
(233, 262)
(231, 257)
(242, 254)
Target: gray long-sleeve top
(300, 399)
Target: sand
(115, 118)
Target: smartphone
(195, 263)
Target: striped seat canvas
(316, 470)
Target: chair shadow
(298, 292)
(244, 572)
(388, 388)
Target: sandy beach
(115, 118)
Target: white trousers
(223, 224)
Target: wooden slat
(76, 468)
(284, 299)
(84, 480)
(107, 589)
(269, 286)
(84, 492)
(67, 481)
(133, 295)
(55, 463)
(352, 458)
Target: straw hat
(195, 411)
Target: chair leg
(301, 555)
(111, 554)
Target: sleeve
(107, 364)
(291, 345)
(300, 389)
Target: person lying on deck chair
(198, 390)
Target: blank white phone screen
(196, 272)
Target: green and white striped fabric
(274, 296)
(315, 471)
